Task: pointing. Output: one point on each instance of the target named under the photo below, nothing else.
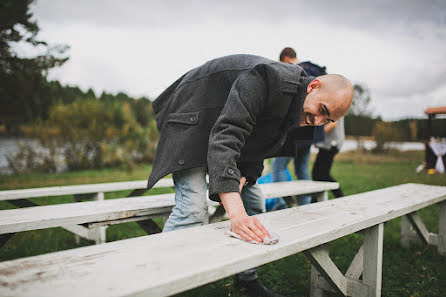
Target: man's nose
(320, 120)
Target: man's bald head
(328, 99)
(340, 89)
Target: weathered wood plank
(408, 234)
(354, 271)
(321, 260)
(317, 286)
(373, 254)
(323, 196)
(419, 227)
(80, 189)
(155, 265)
(288, 188)
(301, 187)
(33, 218)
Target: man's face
(320, 106)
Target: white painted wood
(326, 277)
(433, 239)
(322, 196)
(81, 189)
(300, 187)
(168, 263)
(288, 188)
(419, 227)
(354, 271)
(98, 234)
(408, 234)
(113, 210)
(441, 239)
(373, 253)
(40, 217)
(83, 232)
(356, 288)
(316, 287)
(320, 259)
(80, 231)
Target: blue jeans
(300, 168)
(191, 207)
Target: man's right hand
(249, 228)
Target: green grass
(418, 271)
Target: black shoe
(255, 288)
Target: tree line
(360, 122)
(73, 127)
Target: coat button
(231, 171)
(181, 162)
(193, 119)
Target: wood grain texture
(80, 189)
(168, 263)
(114, 210)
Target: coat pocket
(187, 118)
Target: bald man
(224, 118)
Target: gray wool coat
(229, 115)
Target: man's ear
(314, 84)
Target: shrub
(384, 133)
(88, 134)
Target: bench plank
(81, 189)
(169, 263)
(41, 217)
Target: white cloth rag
(268, 241)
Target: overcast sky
(396, 48)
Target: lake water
(9, 145)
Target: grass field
(418, 271)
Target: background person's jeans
(191, 207)
(301, 161)
(300, 169)
(279, 174)
(322, 167)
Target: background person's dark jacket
(229, 114)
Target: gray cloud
(395, 47)
(369, 14)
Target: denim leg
(253, 200)
(279, 174)
(190, 199)
(301, 169)
(254, 204)
(278, 169)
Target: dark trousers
(322, 167)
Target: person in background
(334, 139)
(302, 154)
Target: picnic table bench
(21, 198)
(168, 263)
(88, 219)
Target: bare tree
(360, 108)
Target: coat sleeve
(251, 170)
(246, 100)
